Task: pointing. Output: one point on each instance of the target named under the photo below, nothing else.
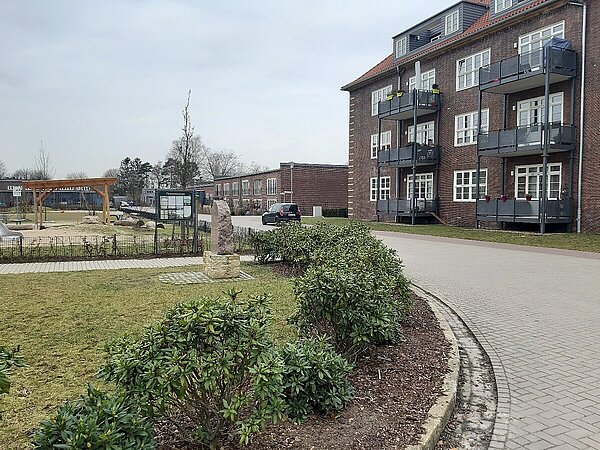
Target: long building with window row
(466, 143)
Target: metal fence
(66, 248)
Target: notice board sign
(174, 205)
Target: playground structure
(42, 188)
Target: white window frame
(373, 189)
(236, 202)
(470, 187)
(469, 133)
(256, 183)
(468, 67)
(553, 170)
(385, 185)
(452, 19)
(501, 5)
(271, 202)
(246, 190)
(421, 177)
(226, 190)
(271, 186)
(401, 47)
(554, 30)
(427, 80)
(425, 132)
(556, 101)
(235, 189)
(378, 96)
(386, 142)
(257, 203)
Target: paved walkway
(112, 264)
(537, 314)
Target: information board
(174, 205)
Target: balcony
(403, 207)
(523, 211)
(402, 108)
(527, 71)
(402, 157)
(526, 140)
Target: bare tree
(42, 168)
(110, 173)
(255, 167)
(76, 175)
(22, 174)
(3, 172)
(223, 163)
(186, 151)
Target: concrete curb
(441, 411)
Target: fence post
(21, 246)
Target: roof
(296, 164)
(78, 182)
(483, 23)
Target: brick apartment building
(496, 65)
(308, 185)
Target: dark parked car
(281, 212)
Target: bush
(355, 293)
(315, 378)
(335, 212)
(208, 362)
(96, 421)
(8, 360)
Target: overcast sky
(97, 81)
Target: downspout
(583, 4)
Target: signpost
(17, 192)
(175, 206)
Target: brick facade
(308, 185)
(500, 38)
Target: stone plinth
(221, 266)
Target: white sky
(101, 80)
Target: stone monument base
(220, 267)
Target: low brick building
(309, 185)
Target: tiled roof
(481, 23)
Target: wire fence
(116, 246)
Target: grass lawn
(62, 320)
(568, 241)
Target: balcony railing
(402, 157)
(526, 71)
(400, 108)
(515, 210)
(404, 206)
(526, 140)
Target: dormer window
(401, 47)
(501, 5)
(452, 22)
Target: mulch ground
(395, 387)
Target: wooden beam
(80, 182)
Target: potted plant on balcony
(504, 198)
(487, 197)
(528, 197)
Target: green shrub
(208, 362)
(8, 360)
(96, 421)
(355, 293)
(335, 212)
(315, 378)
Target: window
(401, 47)
(384, 187)
(236, 202)
(424, 182)
(466, 127)
(536, 40)
(467, 69)
(425, 133)
(271, 186)
(271, 201)
(501, 5)
(378, 96)
(529, 181)
(245, 203)
(373, 196)
(257, 204)
(226, 191)
(245, 187)
(427, 80)
(531, 112)
(235, 189)
(452, 22)
(386, 142)
(218, 190)
(465, 185)
(257, 187)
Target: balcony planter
(488, 198)
(504, 198)
(528, 197)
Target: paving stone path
(536, 312)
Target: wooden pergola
(42, 188)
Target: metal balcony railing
(402, 157)
(404, 206)
(526, 140)
(517, 210)
(427, 102)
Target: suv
(281, 212)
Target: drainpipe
(582, 4)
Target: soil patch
(395, 386)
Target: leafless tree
(255, 167)
(76, 175)
(224, 163)
(22, 174)
(42, 168)
(110, 173)
(186, 151)
(3, 172)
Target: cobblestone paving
(536, 313)
(197, 277)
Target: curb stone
(441, 411)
